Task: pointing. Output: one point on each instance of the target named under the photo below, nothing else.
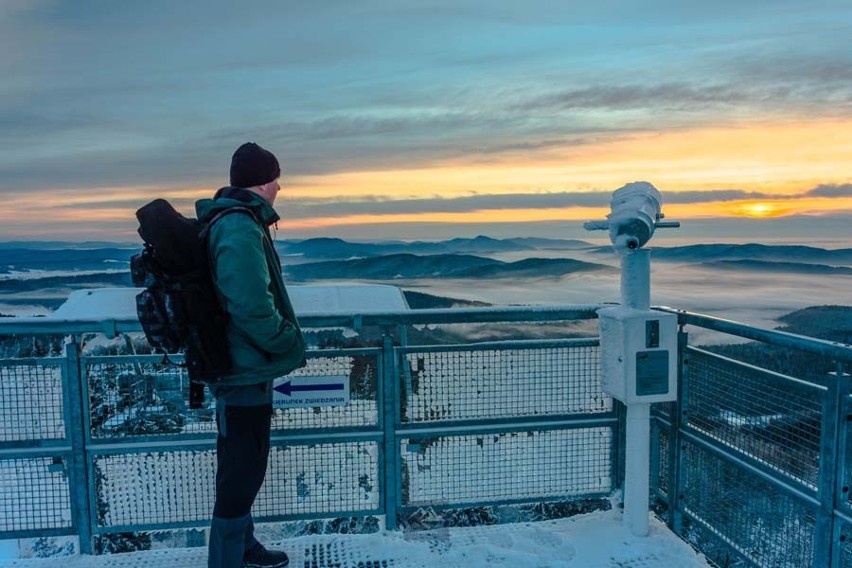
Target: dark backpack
(179, 308)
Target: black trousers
(241, 458)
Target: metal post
(840, 489)
(621, 442)
(636, 294)
(638, 455)
(390, 451)
(827, 482)
(636, 279)
(77, 424)
(676, 447)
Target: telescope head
(635, 213)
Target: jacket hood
(230, 196)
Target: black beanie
(252, 165)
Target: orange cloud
(745, 208)
(781, 158)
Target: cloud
(831, 190)
(342, 207)
(100, 95)
(617, 97)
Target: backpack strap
(204, 232)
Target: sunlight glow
(784, 160)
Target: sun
(759, 210)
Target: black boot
(258, 557)
(227, 542)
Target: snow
(594, 540)
(41, 274)
(120, 303)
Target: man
(265, 343)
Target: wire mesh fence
(360, 370)
(31, 400)
(34, 494)
(448, 470)
(522, 421)
(767, 416)
(660, 457)
(846, 459)
(143, 396)
(845, 546)
(480, 384)
(155, 489)
(769, 527)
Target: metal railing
(752, 461)
(750, 464)
(95, 445)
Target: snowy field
(595, 540)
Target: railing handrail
(834, 350)
(512, 314)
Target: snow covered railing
(110, 437)
(753, 459)
(751, 464)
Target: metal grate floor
(596, 540)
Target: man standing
(265, 343)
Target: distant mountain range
(770, 253)
(56, 264)
(410, 266)
(329, 248)
(786, 267)
(64, 259)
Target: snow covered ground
(595, 540)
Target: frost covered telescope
(638, 345)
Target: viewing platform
(469, 437)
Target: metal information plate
(327, 390)
(652, 372)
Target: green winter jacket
(263, 332)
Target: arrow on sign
(288, 388)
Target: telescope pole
(636, 294)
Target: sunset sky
(429, 120)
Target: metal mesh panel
(771, 418)
(846, 459)
(153, 488)
(765, 524)
(846, 546)
(142, 397)
(179, 486)
(667, 409)
(362, 410)
(506, 466)
(34, 494)
(465, 385)
(31, 401)
(323, 478)
(148, 398)
(661, 446)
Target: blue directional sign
(297, 391)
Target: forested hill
(410, 266)
(787, 267)
(831, 323)
(334, 248)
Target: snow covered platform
(120, 303)
(595, 540)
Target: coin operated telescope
(638, 345)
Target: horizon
(670, 239)
(394, 121)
